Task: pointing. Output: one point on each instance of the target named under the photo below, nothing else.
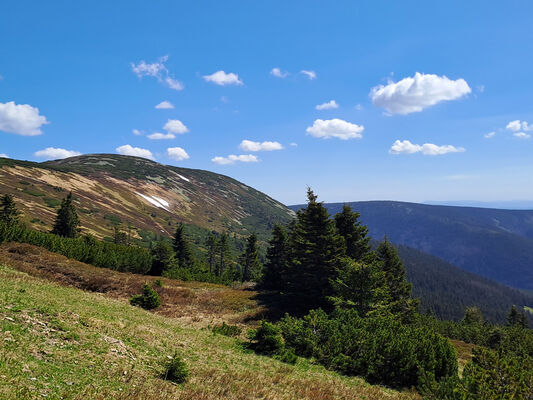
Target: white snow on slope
(185, 179)
(156, 201)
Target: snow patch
(156, 201)
(185, 179)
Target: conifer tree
(211, 244)
(223, 253)
(353, 232)
(8, 211)
(67, 221)
(277, 255)
(182, 248)
(473, 315)
(316, 254)
(516, 318)
(162, 258)
(119, 237)
(249, 260)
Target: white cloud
(517, 125)
(489, 135)
(278, 73)
(248, 145)
(52, 153)
(413, 94)
(232, 159)
(21, 119)
(127, 150)
(358, 107)
(157, 70)
(177, 153)
(327, 106)
(222, 79)
(310, 74)
(336, 128)
(165, 105)
(428, 149)
(522, 135)
(175, 126)
(293, 144)
(4, 155)
(161, 136)
(137, 132)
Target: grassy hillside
(112, 190)
(497, 244)
(62, 342)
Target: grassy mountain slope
(62, 342)
(115, 190)
(497, 244)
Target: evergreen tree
(353, 232)
(399, 288)
(249, 260)
(223, 254)
(8, 210)
(211, 244)
(67, 221)
(277, 255)
(119, 237)
(162, 258)
(473, 315)
(316, 255)
(182, 248)
(516, 318)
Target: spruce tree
(277, 255)
(353, 232)
(394, 273)
(162, 258)
(211, 244)
(249, 260)
(8, 211)
(223, 254)
(182, 248)
(516, 318)
(67, 221)
(316, 255)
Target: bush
(176, 370)
(158, 283)
(149, 299)
(227, 330)
(267, 339)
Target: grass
(61, 342)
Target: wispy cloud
(157, 70)
(428, 149)
(309, 74)
(161, 136)
(278, 73)
(522, 135)
(165, 105)
(327, 106)
(248, 145)
(232, 159)
(489, 135)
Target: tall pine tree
(316, 255)
(182, 248)
(223, 254)
(249, 260)
(211, 244)
(516, 318)
(8, 210)
(277, 256)
(67, 221)
(353, 232)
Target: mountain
(494, 243)
(113, 190)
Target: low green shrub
(149, 299)
(176, 370)
(226, 330)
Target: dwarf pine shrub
(149, 299)
(176, 370)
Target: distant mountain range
(494, 243)
(506, 205)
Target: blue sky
(437, 78)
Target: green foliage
(223, 253)
(381, 349)
(354, 233)
(67, 221)
(176, 370)
(267, 339)
(249, 260)
(162, 258)
(226, 330)
(182, 248)
(516, 318)
(52, 203)
(277, 256)
(149, 299)
(158, 283)
(9, 214)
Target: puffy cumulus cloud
(522, 135)
(309, 74)
(161, 136)
(222, 79)
(428, 149)
(53, 153)
(3, 155)
(278, 73)
(327, 106)
(232, 159)
(335, 128)
(21, 119)
(248, 145)
(157, 70)
(517, 126)
(127, 150)
(413, 94)
(489, 135)
(137, 132)
(175, 126)
(177, 153)
(165, 105)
